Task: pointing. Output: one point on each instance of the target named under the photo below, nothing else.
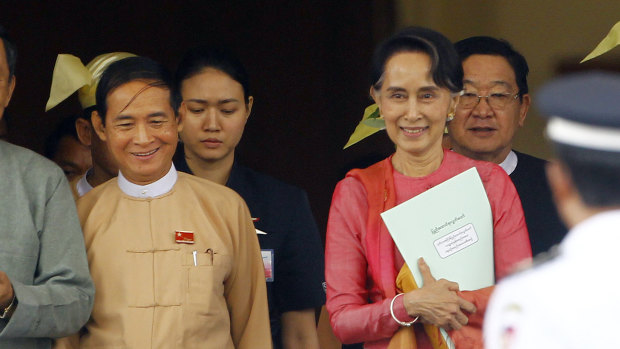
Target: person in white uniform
(571, 300)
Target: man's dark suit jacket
(543, 223)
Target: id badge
(268, 264)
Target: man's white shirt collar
(82, 185)
(157, 188)
(510, 163)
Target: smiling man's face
(140, 130)
(482, 132)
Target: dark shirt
(541, 217)
(283, 212)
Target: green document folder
(451, 226)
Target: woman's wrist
(399, 313)
(410, 304)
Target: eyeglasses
(498, 101)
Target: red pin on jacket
(184, 237)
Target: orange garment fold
(468, 337)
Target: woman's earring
(450, 117)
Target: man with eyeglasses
(492, 108)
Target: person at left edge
(45, 288)
(212, 89)
(174, 257)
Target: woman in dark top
(212, 91)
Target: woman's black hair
(197, 59)
(446, 68)
(127, 70)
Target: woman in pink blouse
(416, 80)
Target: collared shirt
(568, 302)
(159, 293)
(82, 185)
(510, 163)
(151, 190)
